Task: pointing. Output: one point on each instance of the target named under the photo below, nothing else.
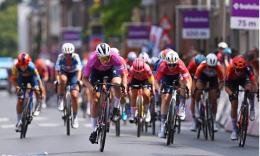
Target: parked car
(4, 78)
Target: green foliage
(114, 14)
(8, 31)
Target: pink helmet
(138, 65)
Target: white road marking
(7, 126)
(49, 124)
(4, 119)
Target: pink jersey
(180, 68)
(114, 62)
(144, 75)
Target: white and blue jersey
(71, 65)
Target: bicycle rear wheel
(243, 123)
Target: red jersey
(232, 75)
(203, 68)
(144, 75)
(42, 68)
(180, 68)
(192, 67)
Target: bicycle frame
(27, 107)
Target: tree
(114, 14)
(8, 30)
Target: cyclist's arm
(220, 73)
(58, 68)
(14, 76)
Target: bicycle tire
(204, 123)
(153, 115)
(25, 119)
(175, 118)
(139, 101)
(178, 125)
(170, 120)
(117, 126)
(243, 126)
(104, 118)
(210, 121)
(68, 114)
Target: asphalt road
(46, 136)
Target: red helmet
(138, 65)
(239, 62)
(24, 59)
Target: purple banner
(71, 35)
(138, 32)
(195, 19)
(245, 8)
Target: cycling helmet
(154, 60)
(172, 57)
(199, 58)
(115, 50)
(68, 48)
(227, 51)
(144, 56)
(239, 62)
(211, 60)
(131, 56)
(163, 53)
(103, 49)
(222, 45)
(138, 65)
(24, 59)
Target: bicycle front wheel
(139, 102)
(67, 113)
(170, 124)
(243, 123)
(210, 120)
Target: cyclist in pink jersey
(104, 62)
(140, 74)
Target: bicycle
(173, 121)
(104, 103)
(67, 115)
(205, 120)
(26, 91)
(243, 119)
(140, 107)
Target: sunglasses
(104, 58)
(68, 55)
(239, 70)
(172, 65)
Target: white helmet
(115, 50)
(144, 56)
(172, 57)
(211, 60)
(68, 48)
(103, 49)
(222, 45)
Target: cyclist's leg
(192, 108)
(231, 88)
(249, 86)
(74, 89)
(36, 85)
(182, 99)
(116, 91)
(147, 99)
(19, 106)
(133, 95)
(200, 84)
(213, 85)
(61, 90)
